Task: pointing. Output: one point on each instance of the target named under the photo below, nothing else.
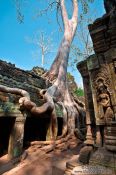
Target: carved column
(102, 92)
(16, 137)
(90, 118)
(93, 65)
(103, 71)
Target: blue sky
(13, 45)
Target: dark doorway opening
(60, 125)
(35, 129)
(6, 125)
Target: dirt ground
(40, 163)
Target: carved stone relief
(103, 92)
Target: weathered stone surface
(104, 158)
(97, 164)
(90, 115)
(110, 137)
(37, 71)
(15, 77)
(16, 138)
(99, 78)
(10, 110)
(103, 33)
(85, 154)
(100, 73)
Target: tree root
(41, 143)
(25, 102)
(48, 148)
(68, 142)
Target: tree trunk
(59, 90)
(58, 93)
(42, 62)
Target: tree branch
(74, 16)
(75, 10)
(16, 91)
(26, 103)
(64, 15)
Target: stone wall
(15, 77)
(99, 72)
(103, 33)
(12, 120)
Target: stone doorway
(60, 125)
(35, 129)
(6, 126)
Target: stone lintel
(92, 62)
(98, 30)
(4, 114)
(110, 55)
(82, 67)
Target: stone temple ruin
(18, 129)
(99, 79)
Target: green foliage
(71, 83)
(79, 92)
(69, 76)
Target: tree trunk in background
(42, 59)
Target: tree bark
(70, 26)
(26, 103)
(59, 90)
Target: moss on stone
(59, 111)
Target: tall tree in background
(43, 44)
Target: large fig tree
(58, 95)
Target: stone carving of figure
(105, 112)
(104, 102)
